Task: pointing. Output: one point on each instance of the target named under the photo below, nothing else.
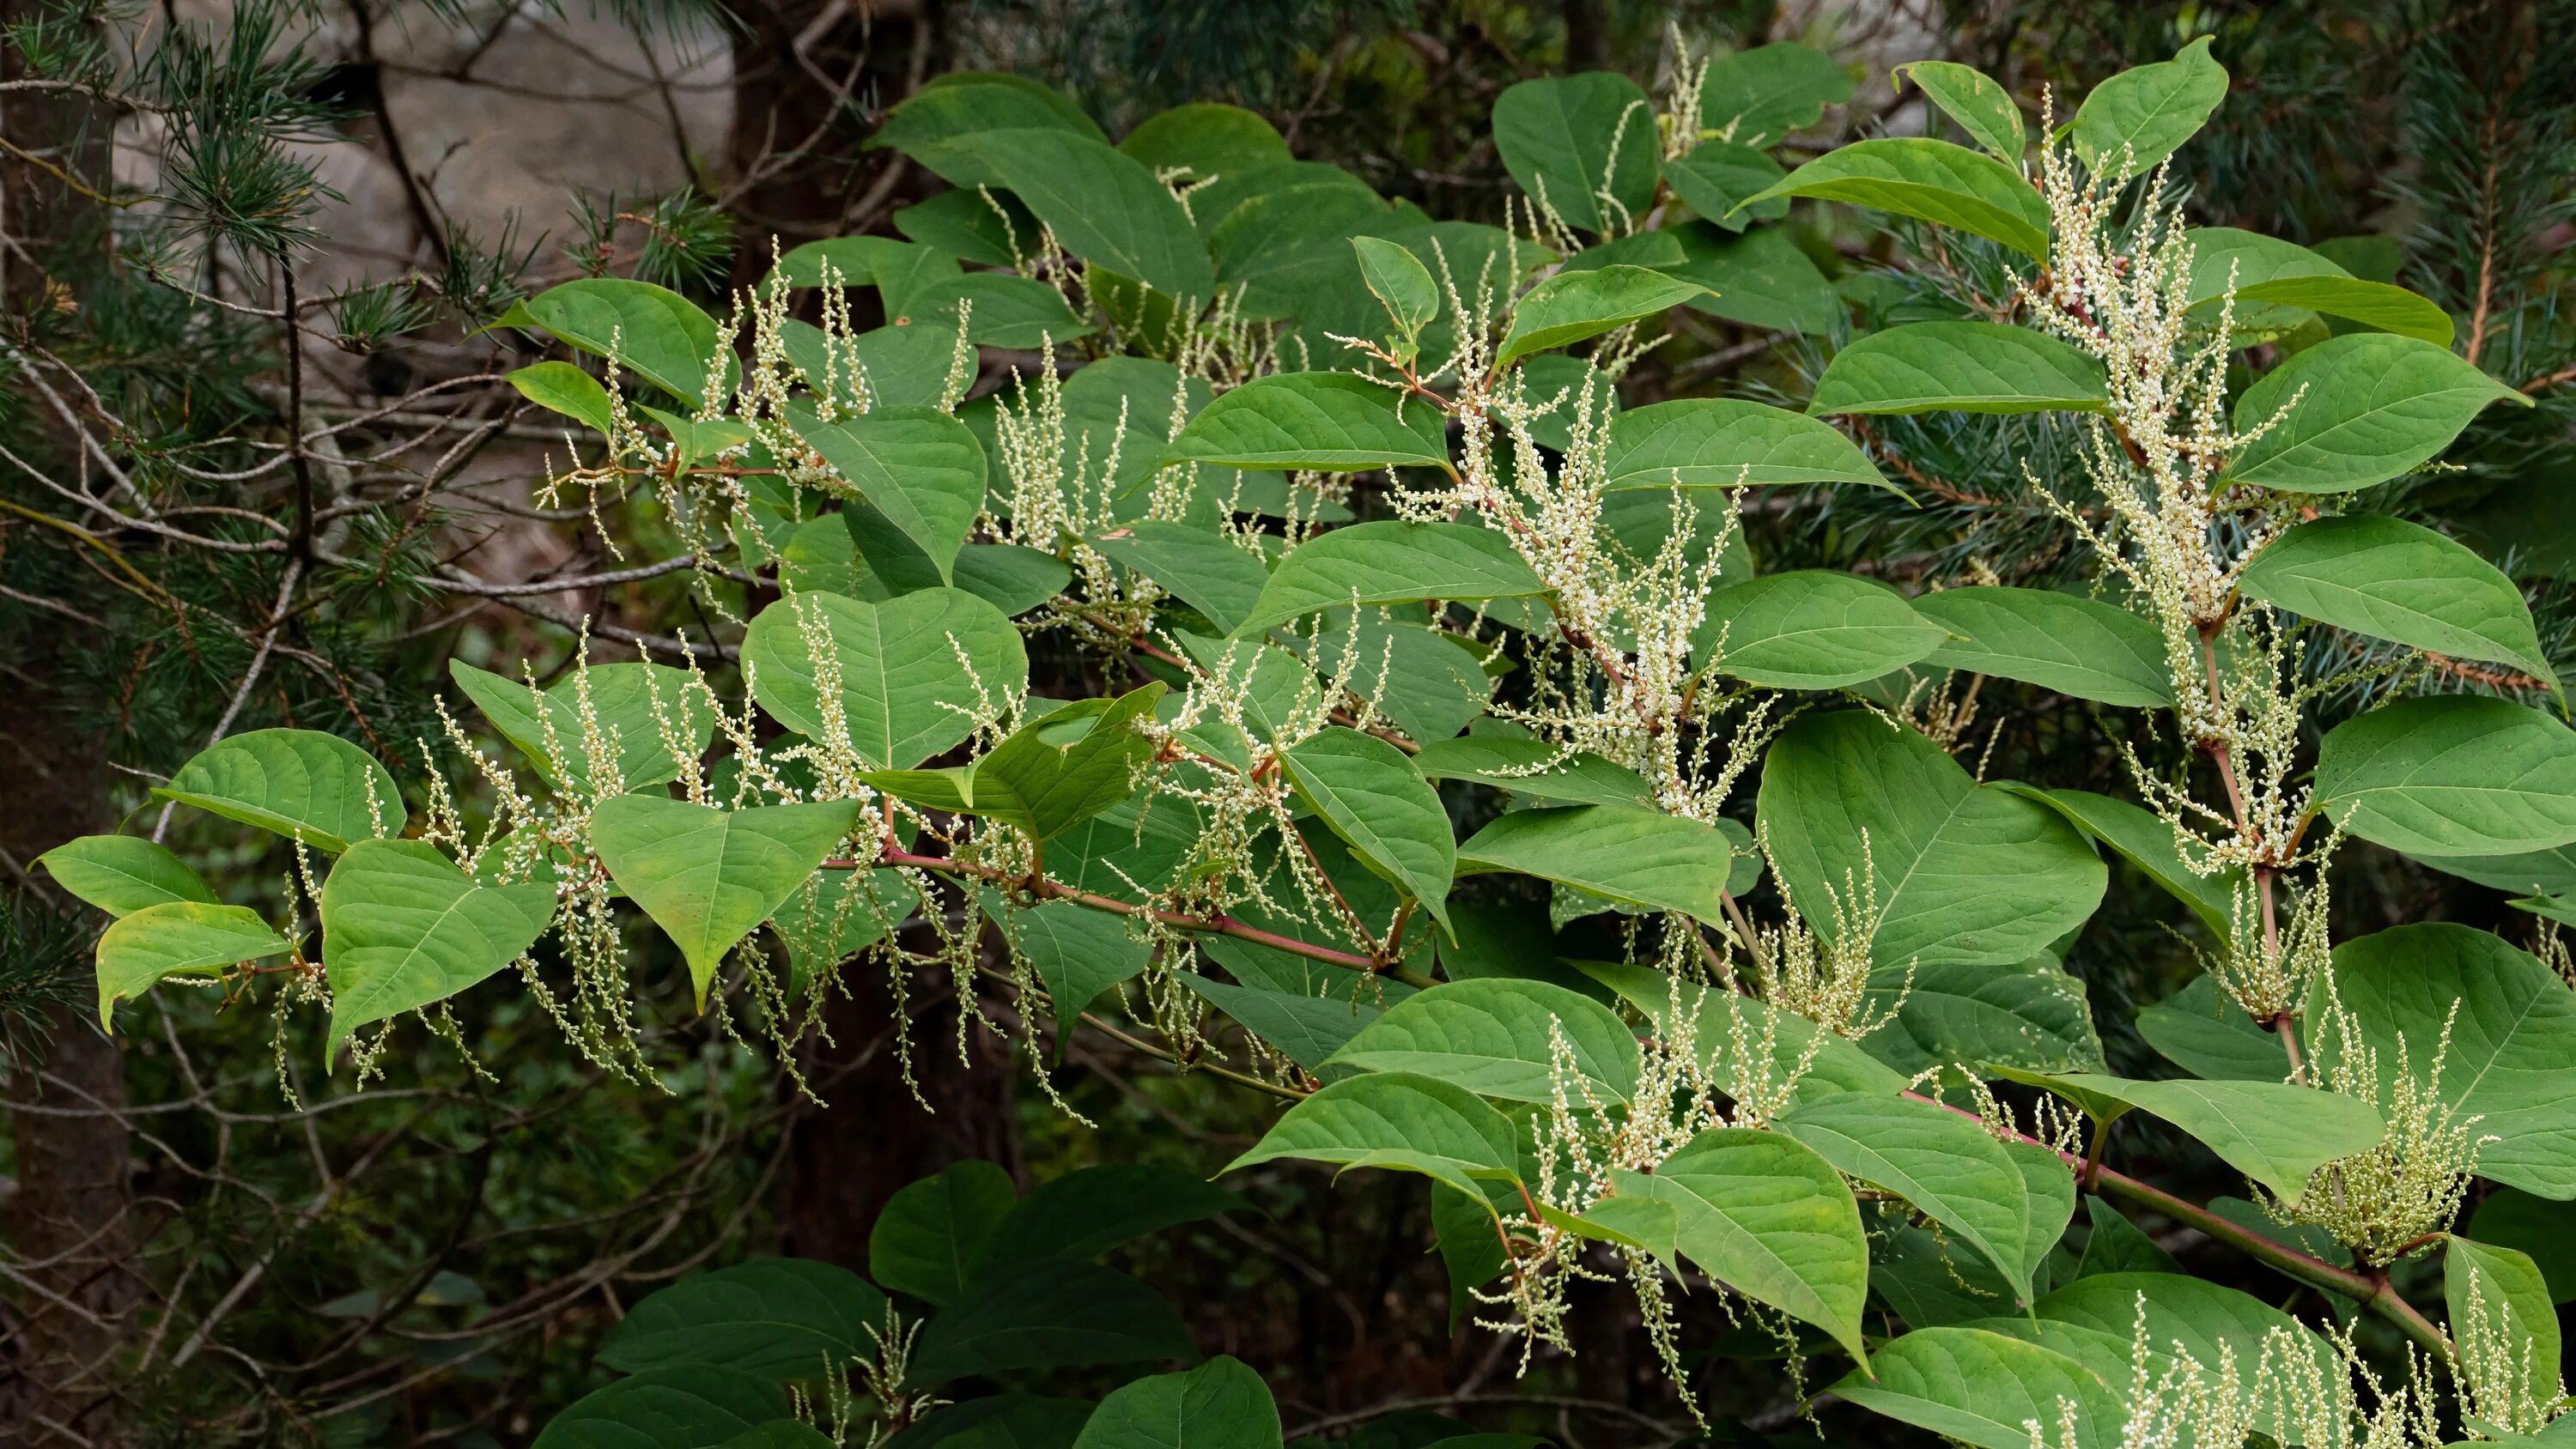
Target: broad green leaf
(2202, 1318)
(1982, 1388)
(1397, 1121)
(1960, 873)
(1582, 146)
(689, 1407)
(1430, 684)
(707, 877)
(1400, 283)
(2274, 1132)
(780, 1434)
(1001, 1421)
(1289, 252)
(1760, 279)
(2114, 1245)
(1308, 1028)
(403, 927)
(1213, 206)
(2392, 579)
(177, 938)
(1011, 578)
(2083, 647)
(1721, 442)
(1105, 207)
(2050, 1180)
(1001, 310)
(122, 874)
(630, 703)
(932, 1237)
(566, 389)
(1716, 177)
(1571, 306)
(2530, 1224)
(1811, 629)
(1743, 1038)
(2361, 409)
(1512, 942)
(1374, 799)
(1972, 98)
(2266, 270)
(695, 440)
(983, 227)
(2142, 115)
(905, 693)
(1497, 1038)
(2208, 1035)
(2146, 841)
(1947, 1165)
(1930, 1279)
(1756, 97)
(965, 103)
(918, 477)
(1932, 181)
(2501, 1291)
(1221, 1404)
(1080, 954)
(1535, 769)
(897, 269)
(1199, 566)
(2549, 872)
(781, 1318)
(2451, 775)
(1328, 422)
(903, 364)
(1056, 1314)
(2030, 1014)
(303, 784)
(1211, 140)
(652, 332)
(2510, 1043)
(1047, 778)
(1763, 1214)
(1391, 563)
(1086, 1212)
(1636, 857)
(1965, 367)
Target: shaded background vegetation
(193, 1260)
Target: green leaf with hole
(2144, 114)
(1056, 1314)
(302, 784)
(652, 332)
(931, 1239)
(780, 1318)
(1721, 442)
(707, 877)
(915, 671)
(2360, 409)
(1964, 873)
(122, 874)
(1636, 857)
(1572, 306)
(1946, 1165)
(1967, 95)
(1931, 181)
(1377, 802)
(2510, 1042)
(2451, 775)
(630, 704)
(1764, 1214)
(1811, 629)
(177, 938)
(1964, 367)
(1391, 563)
(2392, 579)
(1758, 96)
(1328, 422)
(1398, 1121)
(1582, 146)
(566, 389)
(2083, 647)
(402, 927)
(1497, 1037)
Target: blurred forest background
(255, 242)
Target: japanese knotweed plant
(1412, 738)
